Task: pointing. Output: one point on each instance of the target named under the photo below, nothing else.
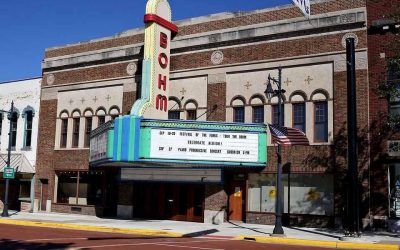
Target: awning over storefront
(18, 161)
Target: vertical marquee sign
(155, 76)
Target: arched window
(13, 117)
(257, 105)
(76, 121)
(298, 111)
(319, 99)
(114, 112)
(64, 129)
(275, 110)
(88, 114)
(28, 113)
(191, 110)
(101, 116)
(238, 109)
(174, 112)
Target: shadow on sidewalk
(248, 228)
(314, 232)
(200, 233)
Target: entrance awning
(18, 161)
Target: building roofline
(186, 22)
(21, 80)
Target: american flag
(287, 136)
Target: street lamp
(10, 113)
(269, 92)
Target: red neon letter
(163, 60)
(162, 82)
(161, 102)
(163, 40)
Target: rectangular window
(28, 129)
(275, 114)
(299, 116)
(174, 115)
(238, 114)
(191, 114)
(258, 114)
(394, 78)
(14, 124)
(64, 133)
(101, 120)
(75, 133)
(310, 193)
(321, 122)
(88, 129)
(88, 191)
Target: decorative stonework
(217, 57)
(216, 78)
(348, 35)
(131, 68)
(348, 18)
(50, 79)
(393, 148)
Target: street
(28, 237)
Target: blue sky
(27, 27)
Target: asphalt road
(28, 237)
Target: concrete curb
(319, 243)
(90, 228)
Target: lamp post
(269, 92)
(10, 113)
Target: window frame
(191, 114)
(253, 107)
(64, 132)
(235, 110)
(75, 131)
(86, 141)
(28, 130)
(315, 103)
(274, 112)
(303, 123)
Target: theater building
(24, 120)
(219, 66)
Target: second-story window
(28, 129)
(299, 116)
(258, 114)
(101, 120)
(321, 122)
(238, 114)
(174, 115)
(75, 132)
(191, 114)
(14, 126)
(64, 133)
(88, 129)
(275, 114)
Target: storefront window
(88, 191)
(394, 190)
(309, 194)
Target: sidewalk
(238, 230)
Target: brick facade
(313, 44)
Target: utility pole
(353, 226)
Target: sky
(27, 27)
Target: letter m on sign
(161, 102)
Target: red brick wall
(237, 21)
(387, 45)
(216, 95)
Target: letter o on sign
(163, 60)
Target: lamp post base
(5, 212)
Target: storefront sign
(153, 102)
(8, 173)
(203, 145)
